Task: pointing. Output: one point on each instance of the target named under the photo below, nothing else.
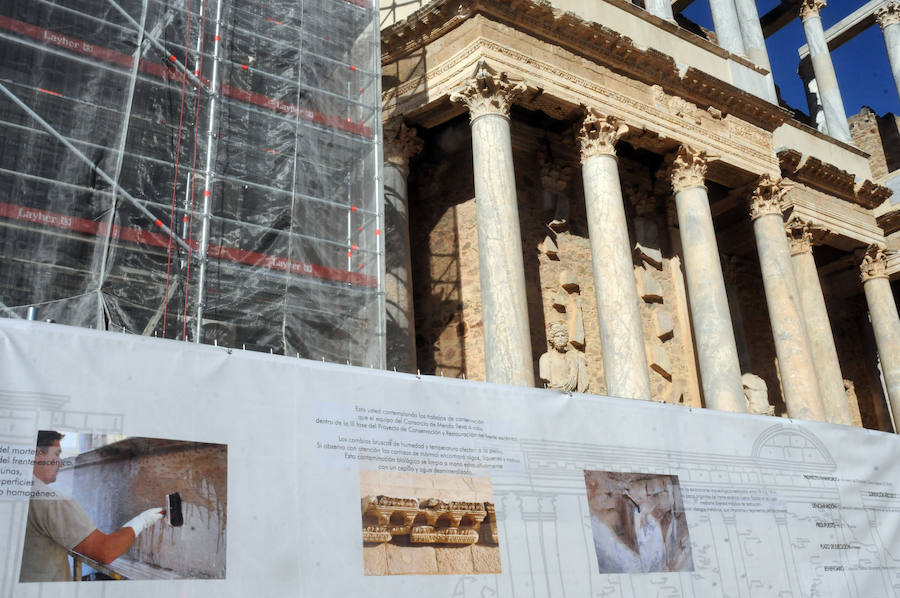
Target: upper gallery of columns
(570, 60)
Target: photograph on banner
(428, 524)
(638, 522)
(111, 507)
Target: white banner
(349, 482)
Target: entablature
(707, 87)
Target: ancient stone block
(576, 324)
(560, 301)
(665, 326)
(661, 362)
(651, 290)
(650, 255)
(454, 560)
(550, 247)
(568, 281)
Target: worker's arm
(105, 548)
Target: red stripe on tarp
(136, 235)
(166, 72)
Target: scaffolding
(204, 170)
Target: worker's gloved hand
(145, 519)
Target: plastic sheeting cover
(247, 130)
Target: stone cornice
(889, 14)
(688, 169)
(586, 38)
(830, 179)
(874, 264)
(488, 93)
(599, 133)
(889, 222)
(429, 521)
(766, 198)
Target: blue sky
(861, 65)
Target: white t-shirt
(56, 523)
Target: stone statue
(560, 367)
(757, 394)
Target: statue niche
(562, 368)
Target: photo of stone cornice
(416, 524)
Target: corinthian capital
(688, 169)
(802, 235)
(766, 198)
(874, 264)
(810, 8)
(599, 134)
(889, 14)
(488, 93)
(400, 144)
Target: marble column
(714, 336)
(811, 88)
(818, 325)
(727, 26)
(826, 80)
(507, 339)
(755, 43)
(885, 322)
(888, 17)
(660, 8)
(618, 307)
(400, 144)
(792, 346)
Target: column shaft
(507, 339)
(401, 333)
(826, 80)
(401, 344)
(716, 350)
(504, 305)
(811, 88)
(821, 339)
(727, 26)
(795, 364)
(755, 42)
(889, 20)
(885, 324)
(621, 334)
(660, 8)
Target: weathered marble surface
(798, 374)
(818, 327)
(621, 335)
(826, 80)
(716, 348)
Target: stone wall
(120, 480)
(878, 136)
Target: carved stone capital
(889, 14)
(800, 235)
(874, 264)
(810, 8)
(488, 93)
(688, 169)
(400, 144)
(599, 134)
(766, 198)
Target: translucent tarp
(196, 169)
